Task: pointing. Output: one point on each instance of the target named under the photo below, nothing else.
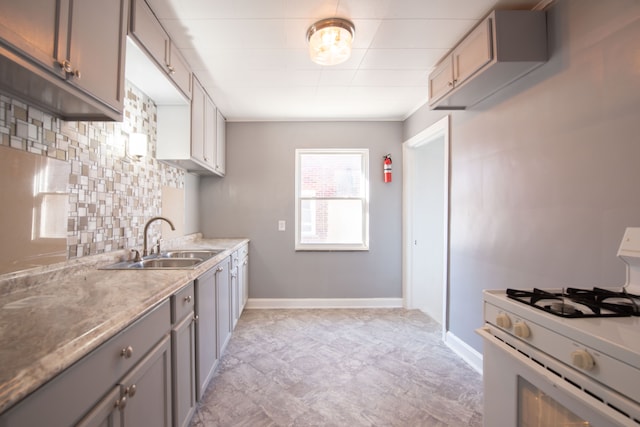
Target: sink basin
(167, 263)
(170, 260)
(191, 253)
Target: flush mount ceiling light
(330, 41)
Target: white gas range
(565, 357)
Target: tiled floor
(343, 367)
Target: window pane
(331, 175)
(331, 221)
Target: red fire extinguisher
(387, 168)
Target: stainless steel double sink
(169, 260)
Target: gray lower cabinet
(235, 287)
(214, 324)
(147, 390)
(206, 330)
(243, 276)
(126, 381)
(142, 399)
(183, 348)
(105, 413)
(153, 372)
(223, 287)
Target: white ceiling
(252, 58)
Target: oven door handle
(557, 380)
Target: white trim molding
(465, 351)
(324, 303)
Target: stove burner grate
(575, 302)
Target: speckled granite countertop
(48, 323)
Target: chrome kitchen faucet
(146, 227)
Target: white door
(426, 201)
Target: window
(332, 199)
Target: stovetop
(617, 336)
(576, 302)
(606, 319)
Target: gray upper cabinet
(193, 139)
(500, 49)
(198, 107)
(151, 36)
(209, 135)
(96, 49)
(65, 56)
(220, 144)
(31, 27)
(474, 52)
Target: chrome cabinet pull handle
(68, 69)
(187, 298)
(121, 403)
(127, 352)
(131, 390)
(66, 66)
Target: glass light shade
(138, 145)
(330, 41)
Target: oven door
(528, 388)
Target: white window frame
(364, 246)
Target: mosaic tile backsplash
(111, 195)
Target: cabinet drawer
(182, 303)
(64, 399)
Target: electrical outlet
(282, 225)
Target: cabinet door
(31, 26)
(197, 121)
(223, 287)
(473, 53)
(106, 413)
(96, 49)
(209, 132)
(206, 331)
(184, 375)
(221, 144)
(235, 288)
(441, 80)
(244, 282)
(179, 70)
(146, 28)
(148, 390)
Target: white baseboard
(465, 351)
(324, 303)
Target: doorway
(426, 221)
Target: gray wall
(191, 203)
(258, 190)
(545, 173)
